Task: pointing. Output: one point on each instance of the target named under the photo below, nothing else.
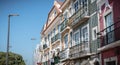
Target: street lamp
(8, 36)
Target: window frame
(106, 13)
(110, 59)
(87, 32)
(64, 40)
(76, 3)
(74, 37)
(93, 37)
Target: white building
(37, 54)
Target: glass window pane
(85, 34)
(66, 41)
(77, 38)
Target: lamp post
(33, 62)
(8, 36)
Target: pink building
(109, 35)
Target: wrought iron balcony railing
(79, 15)
(64, 54)
(79, 50)
(110, 34)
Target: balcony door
(109, 28)
(66, 40)
(85, 34)
(85, 37)
(76, 37)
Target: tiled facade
(75, 33)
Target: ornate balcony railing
(64, 24)
(64, 54)
(110, 34)
(55, 38)
(79, 16)
(79, 50)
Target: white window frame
(110, 59)
(104, 15)
(88, 44)
(95, 28)
(65, 14)
(74, 36)
(64, 40)
(71, 39)
(75, 4)
(87, 30)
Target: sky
(32, 15)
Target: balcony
(110, 36)
(64, 24)
(64, 55)
(55, 38)
(79, 51)
(79, 17)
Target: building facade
(109, 25)
(37, 55)
(82, 32)
(50, 36)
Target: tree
(14, 59)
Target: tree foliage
(14, 59)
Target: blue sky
(33, 14)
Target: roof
(60, 2)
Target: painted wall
(111, 53)
(116, 15)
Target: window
(65, 16)
(109, 21)
(51, 34)
(76, 37)
(85, 34)
(109, 28)
(49, 37)
(83, 4)
(58, 28)
(45, 39)
(76, 6)
(70, 10)
(55, 13)
(66, 40)
(54, 32)
(94, 33)
(71, 39)
(110, 61)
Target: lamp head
(13, 15)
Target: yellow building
(50, 35)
